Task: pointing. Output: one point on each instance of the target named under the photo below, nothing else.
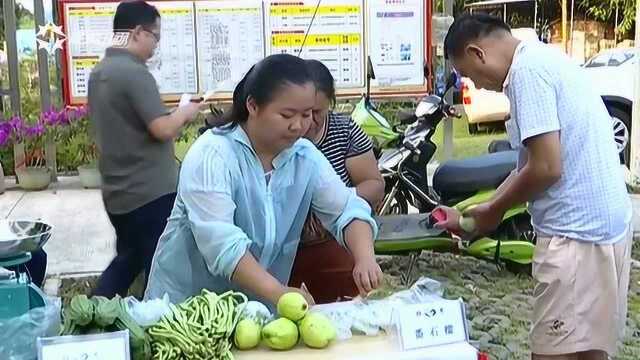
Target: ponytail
(239, 112)
(261, 83)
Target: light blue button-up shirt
(549, 93)
(226, 205)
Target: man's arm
(506, 183)
(145, 99)
(167, 127)
(543, 169)
(534, 98)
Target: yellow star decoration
(50, 37)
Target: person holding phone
(134, 134)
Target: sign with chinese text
(432, 324)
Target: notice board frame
(384, 92)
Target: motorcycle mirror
(370, 73)
(452, 81)
(458, 85)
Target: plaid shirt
(549, 93)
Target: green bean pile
(199, 328)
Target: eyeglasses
(155, 35)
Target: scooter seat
(462, 177)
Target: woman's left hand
(367, 275)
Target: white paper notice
(432, 324)
(230, 38)
(335, 36)
(397, 53)
(90, 30)
(106, 346)
(174, 62)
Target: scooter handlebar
(408, 120)
(452, 112)
(407, 117)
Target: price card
(432, 324)
(107, 346)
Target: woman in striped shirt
(321, 263)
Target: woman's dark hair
(130, 14)
(264, 80)
(470, 27)
(323, 79)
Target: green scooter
(461, 184)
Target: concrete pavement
(84, 241)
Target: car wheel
(622, 133)
(473, 128)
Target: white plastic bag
(19, 334)
(147, 313)
(257, 312)
(369, 317)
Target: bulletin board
(210, 44)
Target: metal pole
(535, 16)
(635, 130)
(43, 60)
(447, 142)
(615, 30)
(564, 25)
(45, 89)
(57, 94)
(12, 54)
(9, 8)
(571, 29)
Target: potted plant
(34, 173)
(6, 141)
(84, 147)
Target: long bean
(198, 328)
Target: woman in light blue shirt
(245, 191)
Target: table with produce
(229, 326)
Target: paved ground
(83, 240)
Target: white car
(613, 73)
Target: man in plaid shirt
(569, 173)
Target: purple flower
(53, 118)
(83, 111)
(16, 123)
(5, 134)
(63, 118)
(75, 114)
(34, 131)
(72, 114)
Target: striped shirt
(343, 139)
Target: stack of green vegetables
(199, 328)
(98, 315)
